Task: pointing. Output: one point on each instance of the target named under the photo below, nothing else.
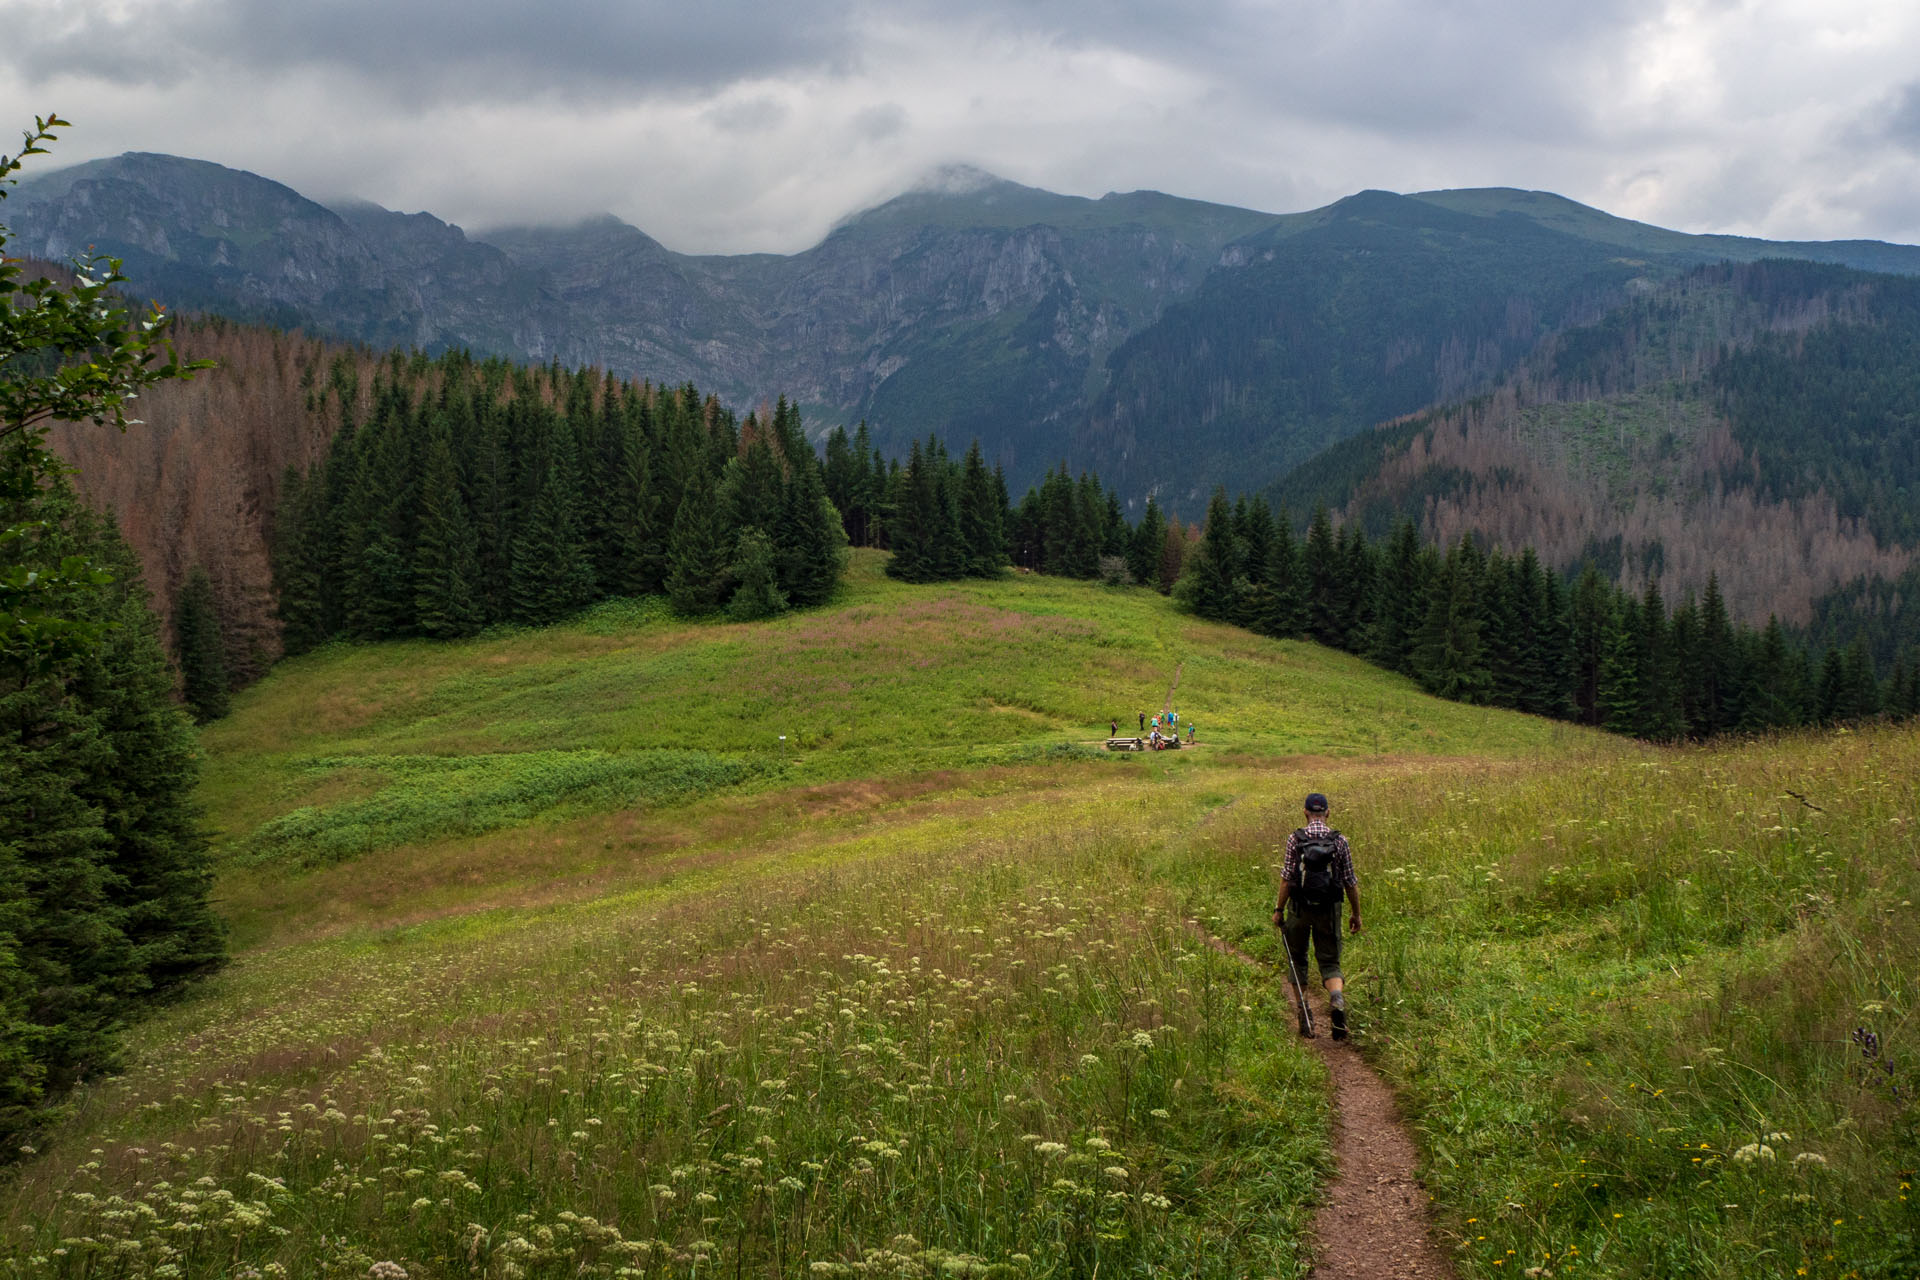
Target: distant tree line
(945, 519)
(477, 493)
(1501, 630)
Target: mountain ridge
(1162, 341)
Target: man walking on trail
(1317, 870)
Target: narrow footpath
(1373, 1224)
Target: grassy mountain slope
(922, 996)
(1758, 422)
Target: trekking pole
(1299, 987)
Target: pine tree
(446, 563)
(640, 567)
(758, 594)
(552, 574)
(980, 526)
(1660, 714)
(1719, 685)
(201, 649)
(1321, 559)
(1285, 587)
(1590, 629)
(912, 527)
(1143, 548)
(1251, 587)
(811, 543)
(1398, 605)
(1449, 657)
(301, 541)
(697, 555)
(1622, 700)
(1206, 585)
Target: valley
(916, 991)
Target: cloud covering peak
(750, 124)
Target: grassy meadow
(553, 960)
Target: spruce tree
(200, 648)
(757, 593)
(1252, 589)
(1143, 548)
(1589, 636)
(1206, 584)
(1449, 657)
(1660, 715)
(811, 543)
(1285, 587)
(301, 543)
(1719, 686)
(1321, 559)
(913, 523)
(697, 556)
(1399, 600)
(640, 567)
(1622, 701)
(980, 518)
(446, 564)
(160, 876)
(947, 546)
(552, 574)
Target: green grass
(892, 680)
(1621, 1004)
(551, 961)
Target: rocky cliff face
(981, 302)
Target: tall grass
(1006, 1063)
(1651, 1017)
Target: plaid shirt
(1342, 856)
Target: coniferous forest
(105, 881)
(1499, 629)
(480, 493)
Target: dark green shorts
(1324, 928)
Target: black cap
(1316, 803)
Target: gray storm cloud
(743, 124)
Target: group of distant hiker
(1160, 730)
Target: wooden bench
(1126, 744)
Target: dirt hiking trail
(1373, 1224)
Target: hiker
(1318, 868)
(1189, 733)
(1113, 728)
(1143, 722)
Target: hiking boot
(1305, 1017)
(1339, 1022)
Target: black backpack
(1319, 888)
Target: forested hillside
(1761, 422)
(1169, 344)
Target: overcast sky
(735, 125)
